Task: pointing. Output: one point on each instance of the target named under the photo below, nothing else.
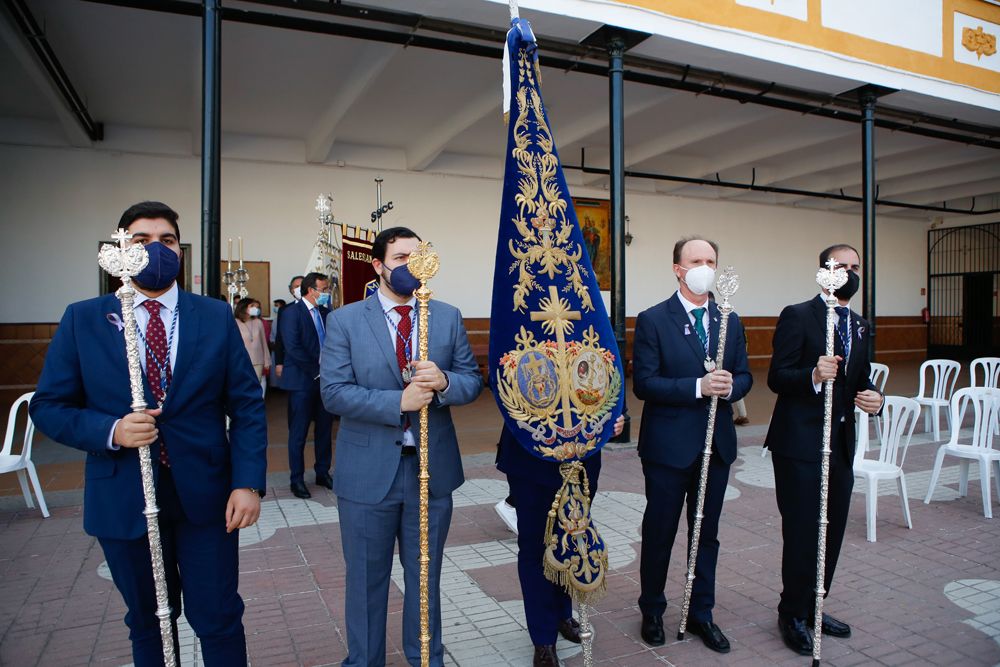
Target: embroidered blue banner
(554, 365)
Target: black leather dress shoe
(545, 656)
(711, 635)
(833, 627)
(325, 481)
(652, 630)
(300, 491)
(796, 634)
(570, 630)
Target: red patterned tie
(157, 353)
(405, 328)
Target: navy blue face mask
(164, 264)
(402, 282)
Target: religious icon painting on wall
(595, 222)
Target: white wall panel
(59, 203)
(912, 24)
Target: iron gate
(963, 280)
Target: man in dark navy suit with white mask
(673, 372)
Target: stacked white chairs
(935, 393)
(985, 402)
(900, 416)
(21, 463)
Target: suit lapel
(377, 323)
(681, 319)
(187, 335)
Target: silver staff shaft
(824, 485)
(830, 279)
(126, 294)
(586, 636)
(725, 309)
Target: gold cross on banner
(557, 318)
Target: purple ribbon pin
(114, 319)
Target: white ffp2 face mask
(700, 279)
(297, 293)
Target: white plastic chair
(990, 367)
(21, 463)
(985, 402)
(935, 396)
(878, 375)
(901, 416)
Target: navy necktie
(843, 330)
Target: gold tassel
(558, 572)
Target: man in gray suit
(369, 376)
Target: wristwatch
(256, 492)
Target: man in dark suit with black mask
(799, 367)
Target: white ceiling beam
(11, 36)
(951, 194)
(596, 119)
(940, 178)
(371, 60)
(425, 150)
(686, 134)
(823, 157)
(689, 134)
(894, 176)
(770, 145)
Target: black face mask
(850, 288)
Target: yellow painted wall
(729, 14)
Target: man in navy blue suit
(675, 343)
(302, 327)
(799, 367)
(208, 483)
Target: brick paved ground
(927, 596)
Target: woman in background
(252, 329)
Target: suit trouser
(797, 489)
(666, 491)
(545, 603)
(202, 561)
(305, 406)
(368, 534)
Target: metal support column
(868, 195)
(616, 106)
(211, 228)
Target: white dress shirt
(392, 320)
(168, 304)
(705, 322)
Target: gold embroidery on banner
(555, 389)
(979, 42)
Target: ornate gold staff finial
(830, 279)
(424, 264)
(124, 261)
(725, 285)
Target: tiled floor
(930, 595)
(927, 596)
